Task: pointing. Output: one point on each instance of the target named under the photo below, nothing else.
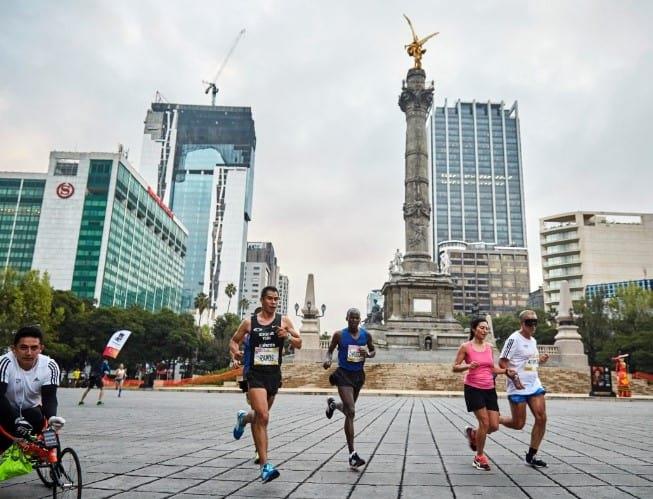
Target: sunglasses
(530, 322)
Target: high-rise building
(260, 270)
(477, 174)
(489, 279)
(283, 286)
(201, 160)
(94, 225)
(610, 289)
(587, 248)
(21, 197)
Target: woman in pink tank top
(475, 359)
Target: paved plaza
(177, 444)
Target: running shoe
(481, 463)
(81, 402)
(99, 402)
(331, 407)
(239, 427)
(534, 462)
(471, 437)
(269, 473)
(355, 461)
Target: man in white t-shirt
(28, 383)
(520, 353)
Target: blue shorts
(520, 399)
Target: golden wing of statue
(411, 28)
(426, 38)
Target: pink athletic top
(481, 377)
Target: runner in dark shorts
(354, 346)
(476, 359)
(99, 370)
(267, 333)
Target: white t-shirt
(522, 356)
(24, 387)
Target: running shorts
(343, 377)
(271, 381)
(520, 399)
(95, 381)
(479, 398)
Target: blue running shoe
(239, 428)
(269, 473)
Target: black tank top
(265, 347)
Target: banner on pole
(116, 343)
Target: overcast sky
(322, 79)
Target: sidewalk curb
(397, 393)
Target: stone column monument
(568, 341)
(418, 300)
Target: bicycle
(58, 469)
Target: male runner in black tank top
(267, 332)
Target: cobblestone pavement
(161, 444)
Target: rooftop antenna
(212, 85)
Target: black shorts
(243, 386)
(271, 381)
(478, 398)
(343, 377)
(94, 381)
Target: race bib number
(266, 356)
(532, 364)
(354, 354)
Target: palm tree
(230, 291)
(201, 304)
(244, 305)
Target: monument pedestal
(418, 312)
(570, 347)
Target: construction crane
(212, 85)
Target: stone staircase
(439, 377)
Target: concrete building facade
(99, 229)
(488, 279)
(201, 160)
(260, 270)
(587, 248)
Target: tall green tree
(230, 291)
(223, 329)
(202, 303)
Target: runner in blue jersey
(354, 346)
(267, 332)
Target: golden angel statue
(415, 49)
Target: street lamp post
(308, 312)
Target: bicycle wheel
(68, 476)
(45, 474)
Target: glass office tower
(21, 197)
(477, 174)
(201, 161)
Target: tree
(230, 291)
(202, 302)
(243, 305)
(223, 329)
(593, 324)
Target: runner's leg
(259, 400)
(348, 408)
(517, 419)
(538, 408)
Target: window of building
(67, 168)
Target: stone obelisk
(418, 300)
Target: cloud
(323, 81)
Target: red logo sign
(65, 190)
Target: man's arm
(5, 405)
(288, 331)
(335, 339)
(371, 351)
(49, 401)
(236, 340)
